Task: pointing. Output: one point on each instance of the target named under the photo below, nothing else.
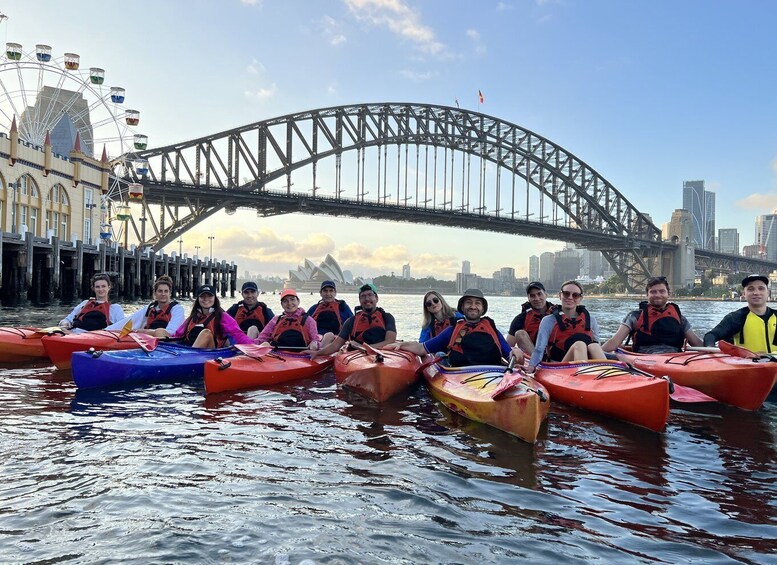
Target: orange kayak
(60, 348)
(610, 388)
(468, 391)
(376, 374)
(740, 382)
(243, 372)
(18, 345)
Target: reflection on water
(307, 471)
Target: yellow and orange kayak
(376, 374)
(519, 410)
(60, 348)
(610, 388)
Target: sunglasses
(567, 294)
(429, 303)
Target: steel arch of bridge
(234, 168)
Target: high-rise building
(701, 204)
(534, 268)
(465, 268)
(728, 240)
(507, 274)
(406, 271)
(766, 236)
(546, 268)
(566, 266)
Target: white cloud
(757, 201)
(262, 93)
(255, 68)
(398, 18)
(418, 77)
(503, 6)
(251, 2)
(331, 31)
(473, 34)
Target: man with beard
(474, 340)
(657, 327)
(524, 328)
(251, 314)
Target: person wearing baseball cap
(208, 325)
(524, 327)
(754, 326)
(293, 328)
(473, 340)
(251, 314)
(370, 324)
(329, 313)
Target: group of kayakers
(542, 330)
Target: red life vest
(290, 331)
(532, 318)
(437, 326)
(369, 328)
(567, 332)
(658, 327)
(475, 343)
(156, 319)
(93, 316)
(254, 317)
(327, 317)
(198, 322)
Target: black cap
(750, 278)
(329, 284)
(249, 285)
(535, 284)
(206, 289)
(473, 293)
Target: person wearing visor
(251, 314)
(753, 327)
(657, 326)
(524, 328)
(371, 325)
(208, 325)
(97, 312)
(570, 333)
(473, 340)
(293, 328)
(160, 318)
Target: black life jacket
(93, 316)
(658, 327)
(253, 317)
(290, 331)
(369, 328)
(474, 343)
(156, 319)
(532, 318)
(327, 316)
(568, 331)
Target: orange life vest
(198, 322)
(658, 327)
(567, 332)
(254, 317)
(532, 318)
(289, 331)
(474, 343)
(93, 316)
(156, 319)
(369, 328)
(327, 317)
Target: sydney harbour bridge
(409, 162)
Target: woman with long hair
(208, 325)
(438, 315)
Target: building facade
(728, 240)
(701, 205)
(534, 268)
(766, 236)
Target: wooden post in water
(102, 266)
(152, 270)
(79, 268)
(177, 275)
(122, 286)
(26, 286)
(1, 263)
(138, 255)
(55, 269)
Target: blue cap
(328, 283)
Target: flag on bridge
(480, 97)
(457, 102)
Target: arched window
(57, 213)
(3, 205)
(23, 199)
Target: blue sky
(649, 93)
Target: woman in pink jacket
(292, 329)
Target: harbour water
(307, 473)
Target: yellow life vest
(758, 335)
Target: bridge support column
(682, 271)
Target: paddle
(678, 393)
(146, 342)
(253, 350)
(49, 331)
(126, 329)
(703, 349)
(509, 380)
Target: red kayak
(18, 345)
(741, 382)
(376, 374)
(261, 368)
(60, 348)
(610, 388)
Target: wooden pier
(42, 271)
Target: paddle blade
(49, 331)
(126, 329)
(146, 342)
(736, 350)
(370, 350)
(689, 395)
(509, 380)
(254, 350)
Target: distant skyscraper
(406, 271)
(534, 268)
(465, 268)
(566, 266)
(728, 240)
(701, 204)
(546, 268)
(507, 274)
(766, 236)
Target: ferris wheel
(56, 97)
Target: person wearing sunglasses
(96, 312)
(438, 315)
(370, 324)
(657, 326)
(570, 334)
(473, 340)
(524, 328)
(753, 327)
(251, 314)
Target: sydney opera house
(308, 277)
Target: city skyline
(614, 87)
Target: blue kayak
(169, 362)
